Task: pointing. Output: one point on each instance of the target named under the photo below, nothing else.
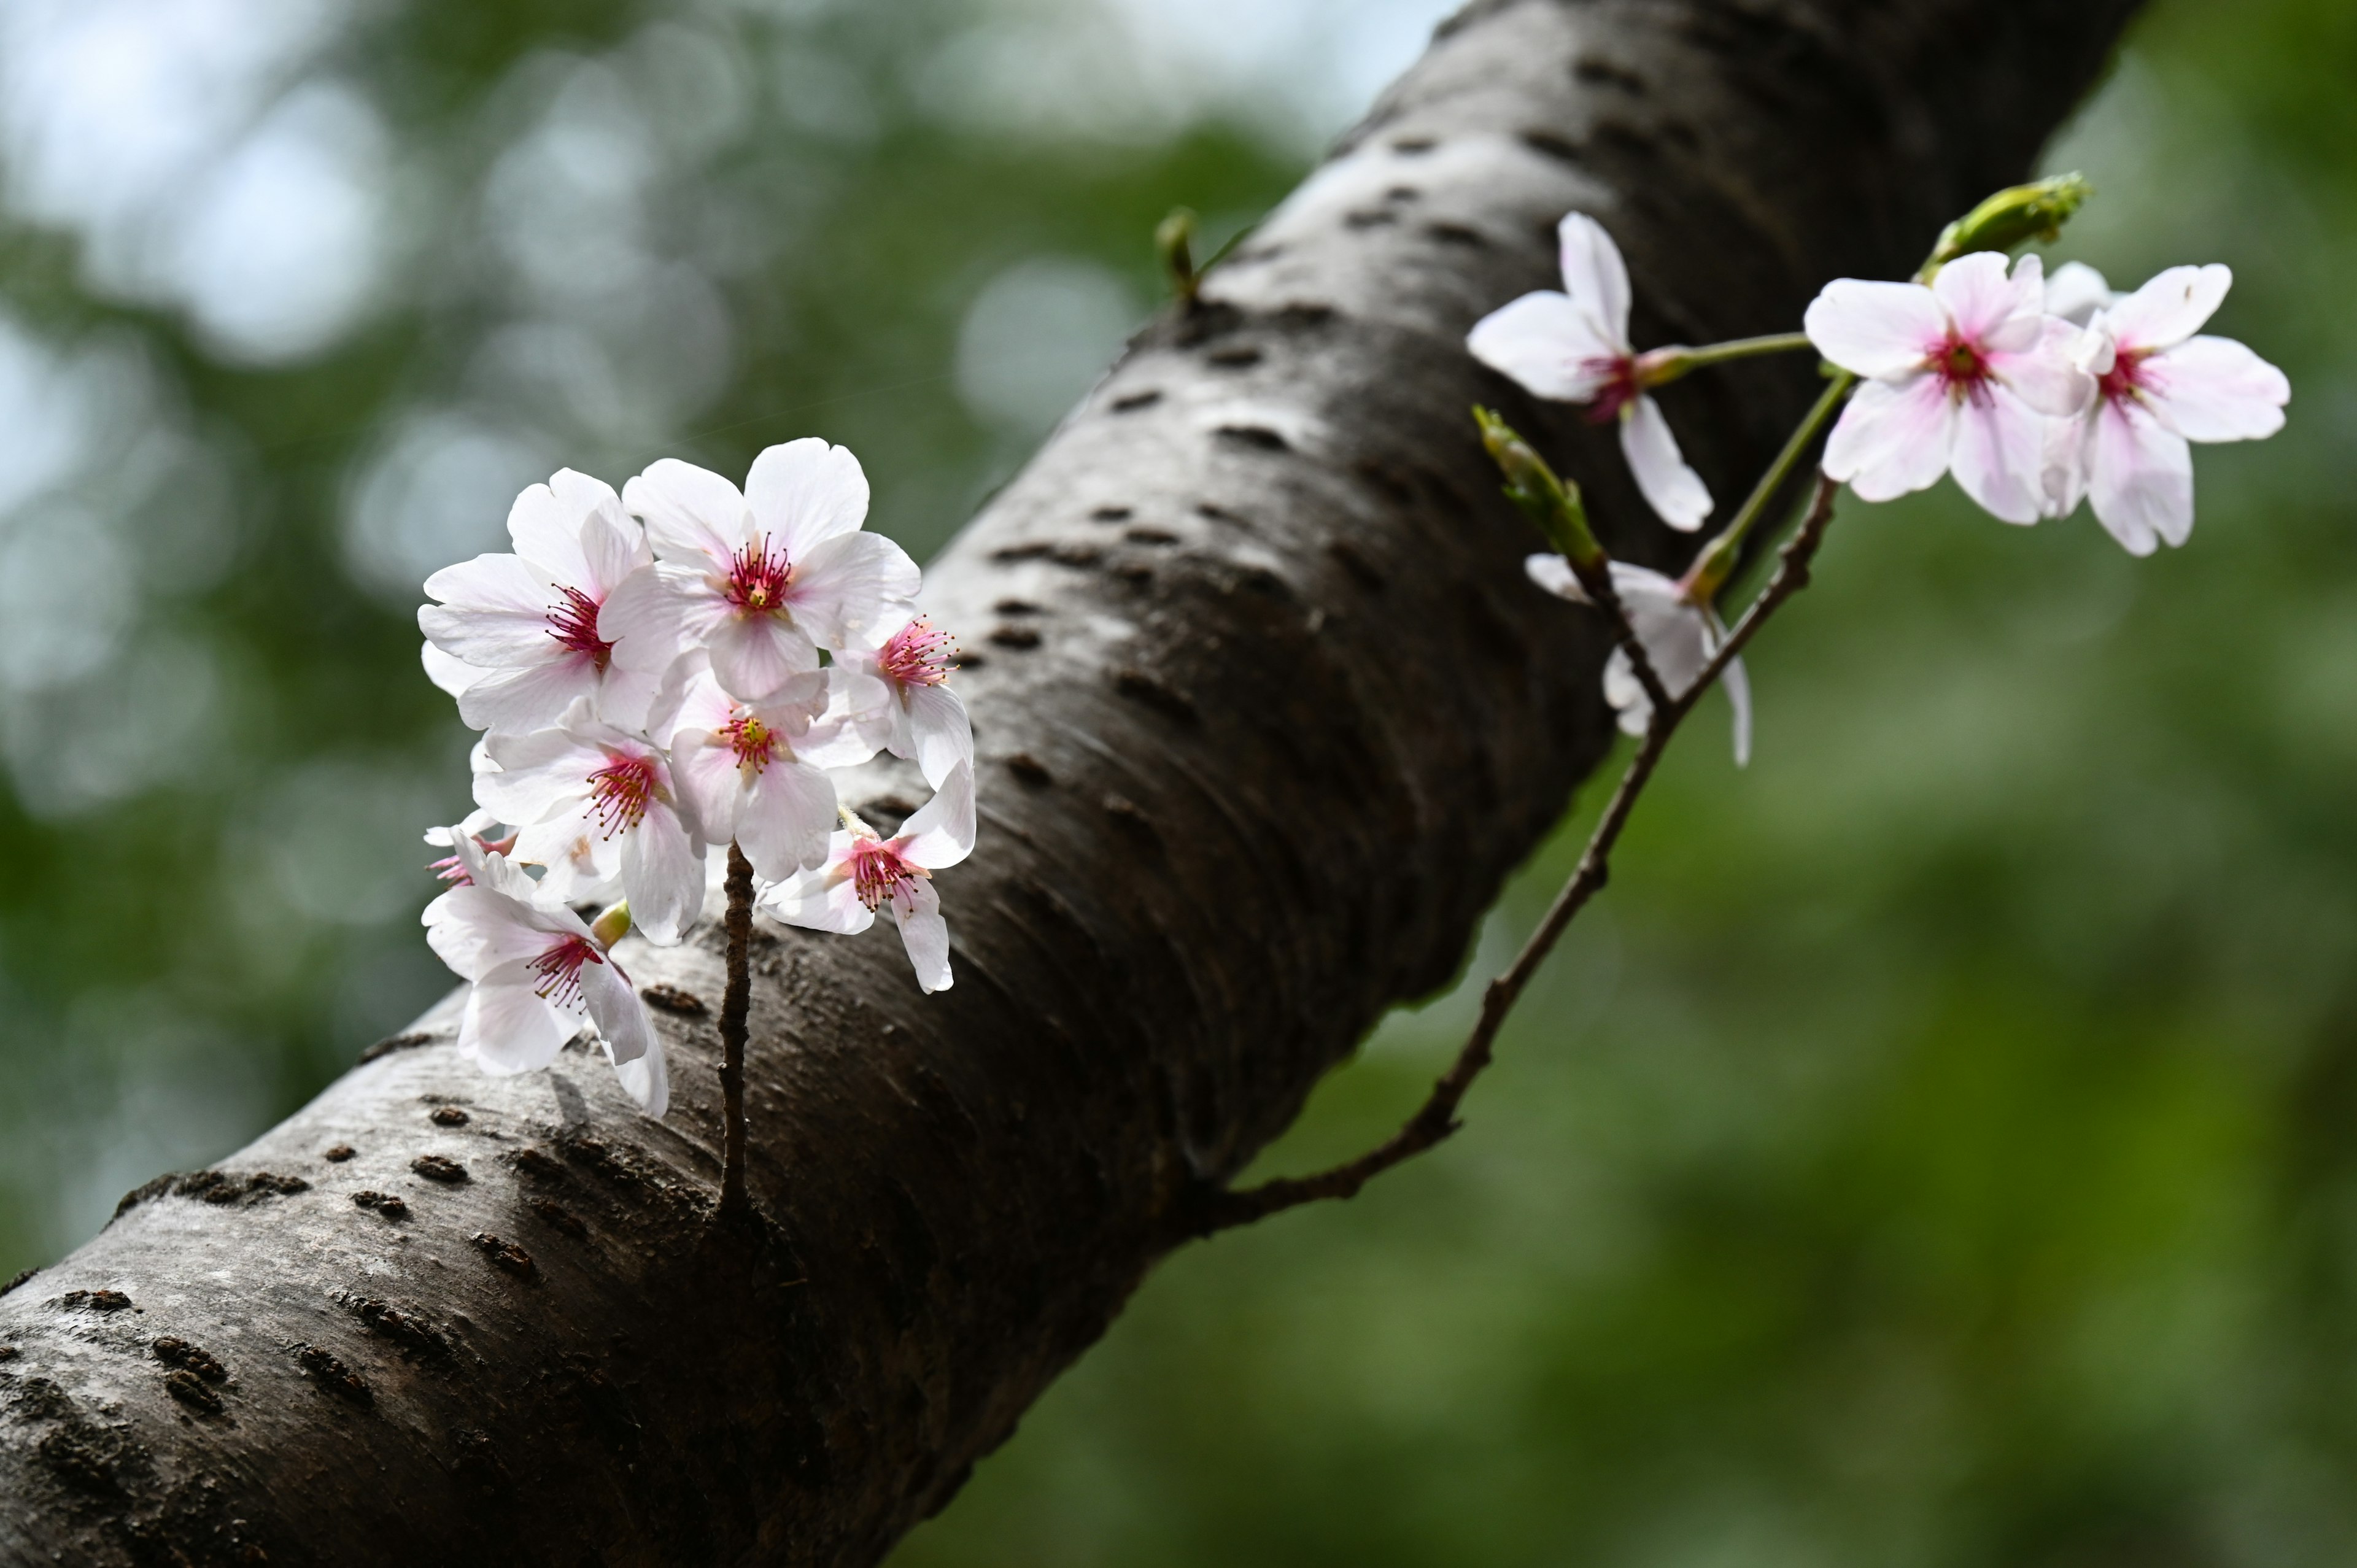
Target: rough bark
(1266, 711)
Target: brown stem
(1597, 582)
(734, 1204)
(1435, 1119)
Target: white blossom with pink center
(899, 699)
(517, 635)
(2160, 383)
(865, 872)
(1961, 377)
(538, 970)
(762, 579)
(756, 772)
(1680, 637)
(468, 842)
(1573, 346)
(593, 804)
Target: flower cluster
(661, 675)
(2035, 394)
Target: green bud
(613, 925)
(1550, 503)
(2012, 217)
(1174, 243)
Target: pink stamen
(621, 792)
(917, 655)
(2125, 381)
(1620, 388)
(758, 579)
(453, 870)
(753, 741)
(573, 624)
(560, 970)
(1962, 369)
(877, 872)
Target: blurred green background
(1938, 1147)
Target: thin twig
(735, 1003)
(1596, 582)
(1435, 1119)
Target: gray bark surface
(1266, 711)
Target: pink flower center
(621, 792)
(877, 872)
(753, 741)
(453, 870)
(559, 969)
(1621, 387)
(917, 655)
(757, 578)
(2125, 380)
(1961, 367)
(573, 624)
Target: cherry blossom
(2159, 384)
(593, 803)
(865, 872)
(468, 844)
(897, 698)
(538, 970)
(755, 772)
(763, 578)
(1960, 376)
(1679, 636)
(523, 628)
(1573, 346)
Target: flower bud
(613, 925)
(2012, 217)
(1550, 503)
(1174, 243)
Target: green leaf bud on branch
(2012, 217)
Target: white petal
(705, 772)
(624, 696)
(507, 1028)
(529, 696)
(542, 775)
(1985, 305)
(2047, 375)
(848, 585)
(1547, 345)
(547, 536)
(1875, 328)
(1626, 693)
(614, 1006)
(1893, 438)
(647, 1079)
(859, 721)
(694, 517)
(662, 876)
(942, 732)
(494, 612)
(1595, 276)
(925, 934)
(453, 675)
(1673, 490)
(2215, 389)
(787, 819)
(752, 656)
(2170, 308)
(822, 900)
(805, 493)
(657, 611)
(2064, 469)
(2076, 292)
(2142, 479)
(1738, 684)
(1553, 574)
(941, 831)
(613, 543)
(2000, 454)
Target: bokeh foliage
(1935, 1149)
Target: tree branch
(1269, 714)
